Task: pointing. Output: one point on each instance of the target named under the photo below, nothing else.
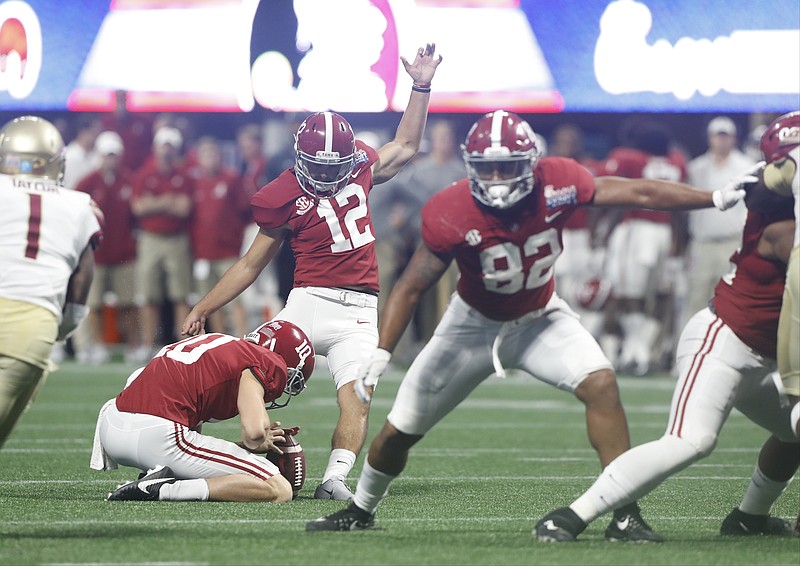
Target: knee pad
(702, 442)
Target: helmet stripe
(497, 128)
(328, 132)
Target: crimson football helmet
(32, 146)
(289, 342)
(325, 148)
(500, 153)
(781, 136)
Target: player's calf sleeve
(184, 490)
(633, 475)
(373, 486)
(340, 463)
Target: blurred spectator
(135, 129)
(713, 235)
(80, 158)
(434, 168)
(583, 253)
(221, 209)
(111, 187)
(639, 249)
(261, 300)
(162, 203)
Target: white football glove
(72, 316)
(735, 190)
(369, 374)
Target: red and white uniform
(113, 197)
(725, 359)
(218, 201)
(639, 245)
(44, 229)
(156, 419)
(334, 247)
(150, 181)
(504, 300)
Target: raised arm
(239, 277)
(395, 154)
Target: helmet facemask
(498, 178)
(324, 174)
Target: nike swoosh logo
(623, 524)
(550, 217)
(362, 322)
(143, 485)
(550, 525)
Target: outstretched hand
(424, 66)
(736, 189)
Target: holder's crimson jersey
(197, 380)
(332, 239)
(506, 257)
(749, 298)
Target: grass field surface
(472, 491)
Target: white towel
(100, 459)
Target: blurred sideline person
(725, 359)
(713, 235)
(641, 249)
(220, 213)
(425, 175)
(46, 238)
(320, 209)
(502, 226)
(162, 205)
(154, 423)
(111, 187)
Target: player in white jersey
(780, 145)
(47, 234)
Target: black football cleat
(145, 488)
(629, 526)
(351, 518)
(741, 524)
(561, 525)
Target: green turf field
(470, 495)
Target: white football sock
(761, 493)
(372, 488)
(633, 475)
(340, 463)
(184, 490)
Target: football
(779, 174)
(292, 463)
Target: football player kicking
(320, 209)
(502, 225)
(725, 359)
(154, 423)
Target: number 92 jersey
(506, 257)
(332, 239)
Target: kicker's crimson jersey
(197, 380)
(749, 298)
(637, 164)
(333, 239)
(506, 257)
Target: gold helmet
(32, 146)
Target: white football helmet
(32, 146)
(500, 153)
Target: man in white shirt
(714, 235)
